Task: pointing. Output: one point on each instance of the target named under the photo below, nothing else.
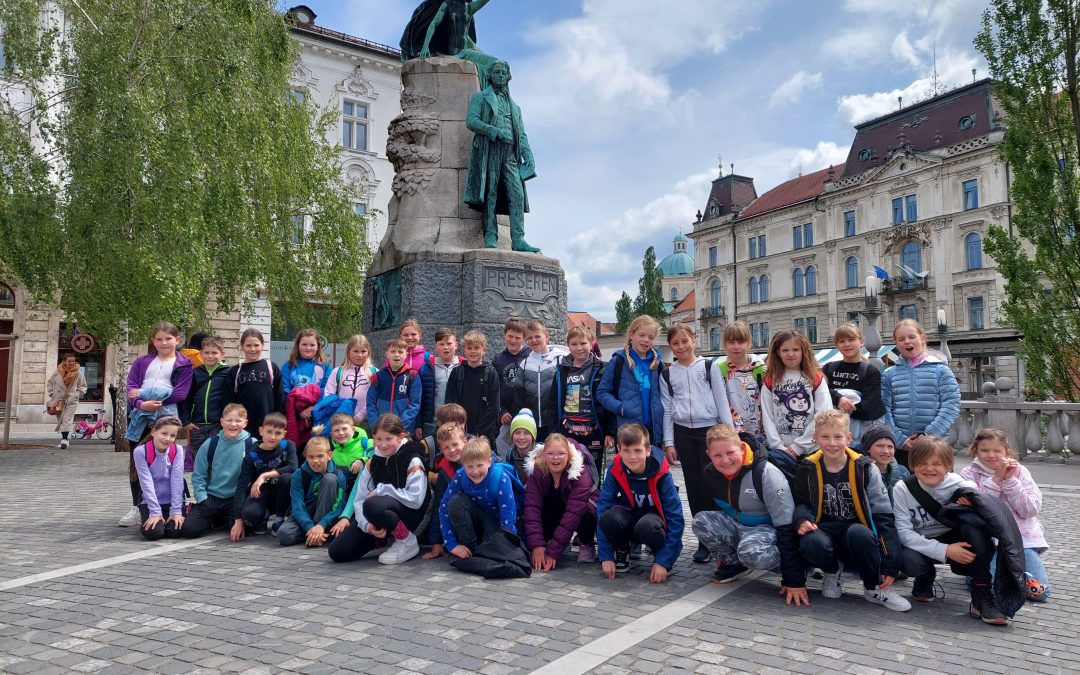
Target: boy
(479, 501)
(395, 389)
(522, 441)
(451, 439)
(877, 442)
(843, 515)
(751, 527)
(351, 447)
(262, 488)
(441, 363)
(537, 377)
(508, 366)
(579, 415)
(967, 548)
(744, 373)
(216, 470)
(201, 410)
(629, 511)
(474, 385)
(318, 495)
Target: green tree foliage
(650, 297)
(624, 313)
(162, 162)
(1031, 47)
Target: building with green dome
(678, 272)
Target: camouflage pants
(755, 547)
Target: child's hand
(608, 568)
(796, 596)
(846, 405)
(1012, 469)
(306, 413)
(960, 552)
(886, 581)
(152, 522)
(377, 532)
(177, 519)
(150, 406)
(133, 393)
(672, 455)
(316, 536)
(549, 563)
(256, 487)
(538, 558)
(791, 451)
(505, 419)
(609, 442)
(461, 551)
(356, 466)
(237, 532)
(658, 574)
(807, 526)
(437, 551)
(191, 427)
(963, 501)
(339, 527)
(419, 433)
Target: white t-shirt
(159, 373)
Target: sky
(631, 105)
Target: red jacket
(299, 429)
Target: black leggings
(623, 529)
(384, 513)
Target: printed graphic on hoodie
(795, 402)
(743, 398)
(577, 392)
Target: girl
(353, 377)
(391, 498)
(580, 415)
(306, 365)
(417, 359)
(628, 388)
(159, 464)
(920, 393)
(855, 386)
(794, 392)
(256, 383)
(156, 383)
(560, 499)
(694, 397)
(65, 387)
(997, 472)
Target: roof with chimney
(729, 194)
(795, 191)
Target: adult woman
(65, 387)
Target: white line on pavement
(105, 562)
(585, 658)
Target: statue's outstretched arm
(477, 5)
(425, 50)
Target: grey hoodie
(697, 402)
(914, 525)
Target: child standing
(317, 493)
(395, 389)
(160, 465)
(744, 374)
(538, 377)
(262, 488)
(65, 387)
(441, 363)
(451, 440)
(202, 408)
(854, 385)
(255, 382)
(996, 471)
(508, 366)
(639, 503)
(474, 385)
(795, 392)
(217, 467)
(479, 501)
(580, 415)
(353, 377)
(920, 393)
(694, 397)
(628, 388)
(560, 499)
(877, 443)
(391, 498)
(303, 377)
(417, 358)
(843, 516)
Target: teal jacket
(228, 458)
(304, 491)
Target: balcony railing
(717, 312)
(904, 285)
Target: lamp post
(943, 332)
(871, 312)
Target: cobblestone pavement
(210, 606)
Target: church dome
(680, 262)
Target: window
(909, 312)
(712, 256)
(911, 258)
(297, 229)
(7, 298)
(796, 237)
(360, 208)
(761, 246)
(799, 325)
(764, 329)
(92, 362)
(759, 334)
(975, 314)
(298, 95)
(674, 294)
(849, 223)
(354, 125)
(898, 211)
(853, 317)
(763, 288)
(797, 283)
(911, 208)
(753, 248)
(971, 194)
(811, 329)
(851, 272)
(755, 335)
(808, 235)
(714, 339)
(811, 280)
(973, 251)
(753, 290)
(714, 294)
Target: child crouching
(318, 493)
(479, 501)
(560, 499)
(159, 463)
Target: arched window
(763, 288)
(911, 256)
(674, 294)
(797, 283)
(973, 251)
(7, 296)
(714, 294)
(811, 280)
(714, 339)
(851, 272)
(753, 290)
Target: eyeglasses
(555, 455)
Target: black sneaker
(622, 560)
(702, 554)
(983, 606)
(728, 573)
(922, 589)
(635, 552)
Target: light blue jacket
(623, 398)
(922, 399)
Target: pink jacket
(299, 429)
(1020, 493)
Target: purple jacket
(577, 490)
(161, 482)
(181, 378)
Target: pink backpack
(151, 454)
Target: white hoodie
(690, 401)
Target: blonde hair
(909, 323)
(833, 417)
(848, 331)
(721, 432)
(927, 448)
(342, 418)
(556, 439)
(237, 408)
(581, 333)
(536, 326)
(317, 442)
(639, 322)
(448, 431)
(737, 332)
(991, 434)
(474, 338)
(476, 450)
(774, 365)
(357, 341)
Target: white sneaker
(830, 584)
(889, 599)
(400, 550)
(63, 444)
(131, 518)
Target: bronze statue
(440, 28)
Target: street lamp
(871, 312)
(943, 332)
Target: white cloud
(792, 89)
(772, 166)
(857, 46)
(905, 51)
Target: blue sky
(628, 103)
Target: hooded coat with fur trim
(577, 490)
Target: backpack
(269, 369)
(665, 375)
(499, 468)
(151, 455)
(758, 370)
(211, 450)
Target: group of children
(462, 448)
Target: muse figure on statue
(501, 160)
(440, 28)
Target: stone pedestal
(431, 264)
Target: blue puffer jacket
(623, 398)
(924, 399)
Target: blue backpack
(211, 450)
(497, 470)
